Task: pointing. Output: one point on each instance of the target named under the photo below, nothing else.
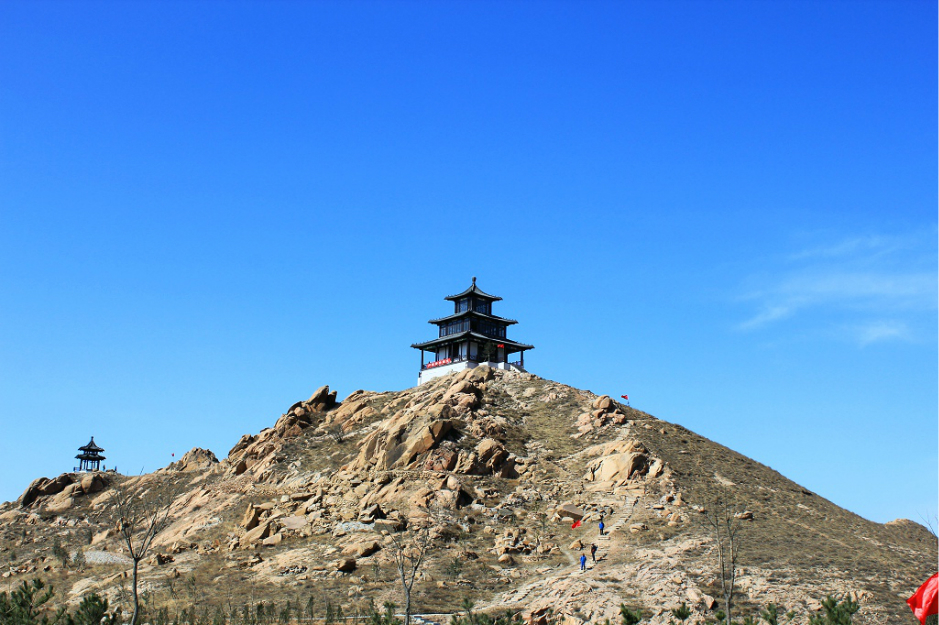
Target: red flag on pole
(925, 601)
(626, 397)
(575, 525)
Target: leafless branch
(930, 523)
(409, 552)
(724, 524)
(139, 517)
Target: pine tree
(629, 617)
(682, 612)
(835, 612)
(25, 605)
(93, 610)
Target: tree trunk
(727, 608)
(133, 620)
(407, 606)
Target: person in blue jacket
(601, 526)
(583, 562)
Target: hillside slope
(495, 465)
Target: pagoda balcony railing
(449, 361)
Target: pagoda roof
(91, 447)
(474, 290)
(90, 456)
(467, 313)
(510, 346)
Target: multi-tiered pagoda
(471, 336)
(90, 457)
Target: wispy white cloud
(875, 286)
(882, 331)
(870, 245)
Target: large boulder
(617, 467)
(93, 483)
(362, 549)
(424, 439)
(489, 458)
(491, 453)
(43, 487)
(618, 462)
(371, 513)
(460, 391)
(53, 487)
(33, 491)
(243, 443)
(480, 374)
(59, 503)
(441, 460)
(252, 517)
(403, 438)
(452, 499)
(256, 535)
(603, 402)
(319, 395)
(570, 510)
(295, 522)
(321, 399)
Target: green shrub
(835, 612)
(682, 612)
(93, 610)
(629, 617)
(59, 552)
(387, 617)
(25, 605)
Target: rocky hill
(495, 467)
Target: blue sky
(726, 210)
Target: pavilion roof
(90, 456)
(474, 290)
(467, 313)
(510, 346)
(91, 447)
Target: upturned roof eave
(513, 346)
(474, 290)
(466, 313)
(90, 457)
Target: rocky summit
(495, 468)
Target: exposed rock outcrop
(196, 459)
(255, 453)
(494, 468)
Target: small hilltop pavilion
(471, 336)
(90, 457)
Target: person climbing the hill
(601, 526)
(583, 562)
(593, 551)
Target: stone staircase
(620, 519)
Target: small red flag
(626, 397)
(925, 601)
(575, 525)
(501, 345)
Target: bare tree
(335, 432)
(931, 523)
(409, 552)
(724, 523)
(139, 517)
